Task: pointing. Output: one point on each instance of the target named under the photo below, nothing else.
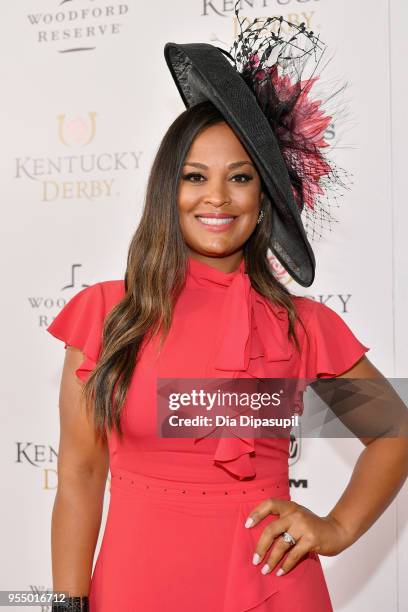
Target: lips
(215, 222)
(214, 219)
(215, 215)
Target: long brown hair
(155, 272)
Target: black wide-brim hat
(202, 72)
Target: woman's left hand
(312, 533)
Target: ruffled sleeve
(80, 324)
(333, 348)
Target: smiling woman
(219, 203)
(190, 519)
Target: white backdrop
(86, 98)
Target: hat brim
(202, 72)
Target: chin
(212, 251)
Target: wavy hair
(156, 270)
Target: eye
(247, 177)
(187, 177)
(192, 176)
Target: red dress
(175, 539)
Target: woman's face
(219, 195)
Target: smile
(216, 223)
(215, 220)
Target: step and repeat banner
(86, 99)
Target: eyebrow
(236, 164)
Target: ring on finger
(288, 538)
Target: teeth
(215, 221)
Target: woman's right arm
(83, 464)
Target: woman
(205, 522)
(177, 535)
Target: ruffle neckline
(248, 327)
(198, 270)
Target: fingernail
(280, 572)
(265, 569)
(256, 559)
(249, 522)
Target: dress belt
(258, 489)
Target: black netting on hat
(272, 55)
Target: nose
(217, 194)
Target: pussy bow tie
(249, 327)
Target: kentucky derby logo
(306, 17)
(42, 456)
(78, 131)
(297, 13)
(86, 174)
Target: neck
(229, 263)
